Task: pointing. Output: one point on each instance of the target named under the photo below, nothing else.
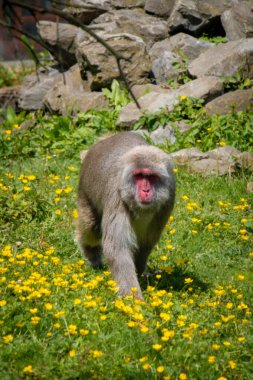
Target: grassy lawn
(60, 319)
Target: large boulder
(70, 94)
(198, 16)
(100, 66)
(205, 88)
(239, 100)
(136, 22)
(189, 46)
(35, 87)
(238, 21)
(170, 56)
(225, 60)
(118, 4)
(220, 161)
(62, 39)
(161, 8)
(87, 10)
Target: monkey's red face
(145, 180)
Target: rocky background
(160, 43)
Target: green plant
(216, 39)
(117, 96)
(181, 65)
(10, 76)
(232, 83)
(207, 132)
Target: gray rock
(224, 152)
(238, 21)
(225, 60)
(9, 98)
(162, 135)
(205, 88)
(35, 87)
(239, 100)
(220, 161)
(63, 40)
(100, 66)
(246, 160)
(198, 16)
(170, 56)
(118, 4)
(163, 68)
(191, 47)
(149, 28)
(211, 166)
(70, 94)
(161, 8)
(87, 10)
(184, 156)
(143, 89)
(149, 103)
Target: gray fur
(112, 222)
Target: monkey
(126, 193)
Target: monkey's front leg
(118, 245)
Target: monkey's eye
(151, 178)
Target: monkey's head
(145, 178)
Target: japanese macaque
(125, 196)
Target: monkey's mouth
(145, 202)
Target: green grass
(196, 321)
(60, 319)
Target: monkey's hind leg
(88, 235)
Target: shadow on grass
(177, 279)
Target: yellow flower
(33, 311)
(160, 369)
(188, 280)
(143, 359)
(240, 277)
(68, 190)
(146, 366)
(35, 320)
(182, 376)
(211, 359)
(28, 369)
(58, 212)
(72, 353)
(84, 332)
(183, 97)
(2, 303)
(8, 131)
(216, 346)
(48, 306)
(8, 338)
(157, 347)
(232, 364)
(96, 353)
(222, 143)
(75, 213)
